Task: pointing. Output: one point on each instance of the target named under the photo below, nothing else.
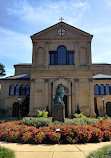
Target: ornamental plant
(43, 113)
(16, 131)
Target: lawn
(104, 152)
(6, 153)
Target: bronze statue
(59, 95)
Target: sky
(19, 19)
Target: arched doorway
(25, 107)
(15, 110)
(108, 108)
(66, 85)
(65, 102)
(95, 106)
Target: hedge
(17, 132)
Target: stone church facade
(61, 54)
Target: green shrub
(104, 152)
(6, 153)
(79, 115)
(105, 117)
(16, 132)
(43, 113)
(37, 122)
(42, 122)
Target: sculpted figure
(59, 95)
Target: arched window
(17, 90)
(110, 89)
(96, 89)
(107, 89)
(11, 90)
(28, 90)
(61, 54)
(22, 90)
(102, 89)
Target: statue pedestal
(58, 112)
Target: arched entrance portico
(66, 84)
(65, 102)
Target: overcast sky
(19, 19)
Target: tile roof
(18, 77)
(102, 76)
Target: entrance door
(65, 102)
(108, 108)
(95, 105)
(25, 107)
(15, 111)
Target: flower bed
(17, 132)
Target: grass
(6, 153)
(104, 152)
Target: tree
(2, 70)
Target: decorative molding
(32, 80)
(34, 42)
(76, 80)
(46, 80)
(90, 79)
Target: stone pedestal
(58, 112)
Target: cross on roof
(61, 19)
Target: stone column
(46, 92)
(91, 99)
(89, 54)
(72, 97)
(76, 93)
(34, 54)
(32, 91)
(50, 97)
(47, 55)
(76, 55)
(69, 100)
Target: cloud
(9, 72)
(14, 45)
(50, 11)
(108, 2)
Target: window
(110, 90)
(28, 90)
(102, 89)
(17, 90)
(61, 56)
(12, 90)
(61, 53)
(107, 89)
(70, 57)
(96, 89)
(22, 90)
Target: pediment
(54, 32)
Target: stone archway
(65, 102)
(66, 84)
(108, 108)
(15, 110)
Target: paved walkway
(53, 151)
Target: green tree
(2, 70)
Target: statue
(59, 95)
